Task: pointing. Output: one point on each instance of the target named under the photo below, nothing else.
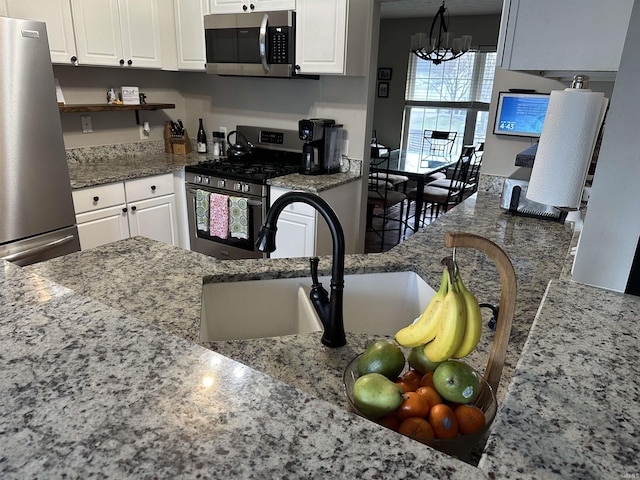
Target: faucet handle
(314, 261)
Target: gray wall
(393, 52)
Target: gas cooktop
(257, 167)
(248, 170)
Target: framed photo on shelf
(384, 74)
(383, 89)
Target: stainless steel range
(228, 198)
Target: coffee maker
(319, 153)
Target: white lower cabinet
(102, 226)
(303, 232)
(154, 218)
(145, 206)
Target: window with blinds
(452, 96)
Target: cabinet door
(296, 236)
(97, 28)
(57, 15)
(321, 36)
(266, 5)
(155, 218)
(546, 35)
(190, 33)
(140, 31)
(228, 6)
(102, 226)
(239, 6)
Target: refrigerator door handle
(38, 249)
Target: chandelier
(442, 47)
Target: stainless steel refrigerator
(37, 221)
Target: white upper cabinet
(117, 32)
(57, 15)
(332, 36)
(239, 6)
(190, 33)
(579, 36)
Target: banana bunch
(451, 325)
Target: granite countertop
(133, 308)
(91, 166)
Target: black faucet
(329, 309)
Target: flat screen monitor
(520, 114)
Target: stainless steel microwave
(253, 44)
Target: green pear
(419, 361)
(375, 395)
(383, 357)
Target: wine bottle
(201, 138)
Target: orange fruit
(390, 420)
(443, 420)
(404, 385)
(427, 380)
(413, 405)
(431, 393)
(470, 418)
(412, 378)
(416, 428)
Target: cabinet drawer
(101, 196)
(148, 187)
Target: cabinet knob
(244, 7)
(130, 62)
(74, 60)
(124, 210)
(153, 188)
(252, 6)
(96, 198)
(121, 61)
(133, 209)
(297, 68)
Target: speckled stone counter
(172, 278)
(573, 407)
(88, 391)
(90, 166)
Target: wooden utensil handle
(498, 350)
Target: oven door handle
(253, 203)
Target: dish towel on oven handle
(219, 215)
(202, 210)
(239, 217)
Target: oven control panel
(224, 185)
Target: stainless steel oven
(230, 247)
(274, 153)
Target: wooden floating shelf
(104, 107)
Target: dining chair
(437, 143)
(447, 192)
(382, 196)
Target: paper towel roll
(570, 130)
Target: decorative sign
(130, 96)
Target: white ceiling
(428, 8)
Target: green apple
(384, 357)
(456, 381)
(375, 395)
(419, 361)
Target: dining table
(417, 169)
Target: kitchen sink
(374, 303)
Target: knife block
(181, 145)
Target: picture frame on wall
(383, 89)
(384, 73)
